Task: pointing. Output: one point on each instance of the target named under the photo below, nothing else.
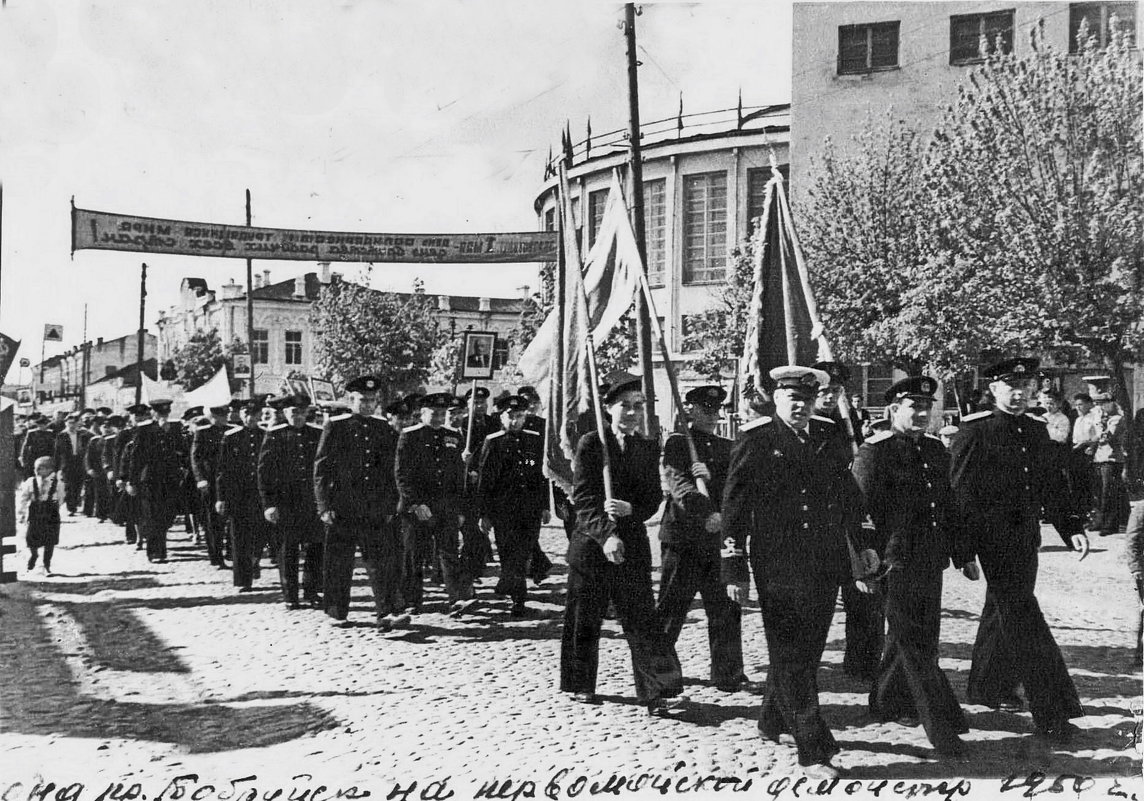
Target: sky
(385, 116)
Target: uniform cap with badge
(223, 409)
(137, 409)
(802, 382)
(398, 408)
(290, 400)
(530, 393)
(106, 411)
(437, 400)
(249, 404)
(482, 393)
(364, 384)
(193, 412)
(1021, 368)
(916, 387)
(511, 403)
(617, 383)
(709, 397)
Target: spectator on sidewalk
(1134, 550)
(39, 509)
(1105, 442)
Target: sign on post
(241, 366)
(477, 355)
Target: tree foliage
(197, 361)
(361, 331)
(1016, 226)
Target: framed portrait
(477, 354)
(322, 391)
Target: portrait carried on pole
(477, 354)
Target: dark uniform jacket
(93, 455)
(905, 485)
(797, 502)
(151, 464)
(511, 481)
(70, 461)
(286, 468)
(353, 470)
(37, 442)
(1003, 475)
(635, 479)
(237, 479)
(121, 451)
(687, 510)
(429, 467)
(205, 449)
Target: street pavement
(117, 670)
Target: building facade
(703, 185)
(854, 60)
(283, 344)
(58, 382)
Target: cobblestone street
(117, 669)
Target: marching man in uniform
(904, 477)
(237, 493)
(206, 446)
(790, 493)
(430, 478)
(609, 556)
(690, 538)
(356, 497)
(512, 496)
(1003, 479)
(285, 482)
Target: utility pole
(250, 304)
(139, 341)
(83, 363)
(635, 165)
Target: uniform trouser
(381, 551)
(593, 581)
(440, 534)
(88, 495)
(539, 564)
(516, 536)
(1014, 644)
(248, 538)
(909, 682)
(865, 631)
(101, 496)
(476, 550)
(796, 619)
(214, 526)
(685, 572)
(1108, 496)
(154, 517)
(297, 531)
(72, 486)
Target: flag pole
(469, 428)
(597, 407)
(250, 304)
(139, 340)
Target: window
(293, 347)
(1099, 17)
(878, 378)
(596, 202)
(757, 178)
(967, 30)
(550, 220)
(260, 347)
(500, 353)
(704, 227)
(867, 48)
(655, 229)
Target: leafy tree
(1036, 176)
(197, 361)
(715, 337)
(445, 363)
(860, 229)
(361, 331)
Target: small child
(40, 497)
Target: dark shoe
(909, 721)
(461, 607)
(342, 624)
(1058, 733)
(246, 589)
(31, 561)
(820, 771)
(292, 605)
(586, 698)
(519, 610)
(743, 685)
(659, 707)
(385, 623)
(402, 621)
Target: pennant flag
(739, 110)
(588, 140)
(782, 323)
(53, 332)
(679, 117)
(568, 151)
(8, 348)
(611, 279)
(214, 392)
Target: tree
(716, 335)
(445, 363)
(1036, 175)
(860, 229)
(197, 361)
(361, 331)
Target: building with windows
(703, 180)
(58, 382)
(854, 59)
(283, 344)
